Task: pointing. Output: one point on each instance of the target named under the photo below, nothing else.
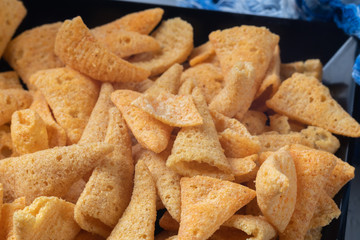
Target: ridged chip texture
(306, 100)
(206, 203)
(78, 48)
(49, 172)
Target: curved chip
(201, 53)
(7, 214)
(244, 169)
(168, 223)
(321, 139)
(273, 141)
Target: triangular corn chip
(201, 53)
(71, 97)
(46, 216)
(244, 169)
(49, 172)
(108, 191)
(12, 100)
(276, 188)
(6, 220)
(197, 150)
(206, 203)
(9, 80)
(306, 100)
(78, 48)
(148, 131)
(138, 220)
(175, 37)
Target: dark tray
(299, 40)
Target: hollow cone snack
(138, 220)
(6, 220)
(71, 97)
(197, 150)
(306, 100)
(78, 48)
(49, 172)
(108, 191)
(206, 203)
(46, 216)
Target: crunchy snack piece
(49, 172)
(1, 197)
(135, 86)
(148, 131)
(208, 77)
(168, 223)
(244, 169)
(108, 191)
(321, 138)
(78, 48)
(201, 53)
(142, 206)
(206, 203)
(306, 100)
(12, 100)
(254, 226)
(234, 137)
(6, 146)
(313, 234)
(83, 235)
(187, 87)
(175, 37)
(6, 220)
(33, 50)
(173, 110)
(276, 188)
(75, 191)
(9, 80)
(71, 97)
(28, 132)
(125, 43)
(197, 150)
(142, 22)
(311, 67)
(95, 129)
(229, 233)
(11, 14)
(239, 91)
(313, 167)
(56, 134)
(280, 123)
(254, 121)
(46, 216)
(273, 141)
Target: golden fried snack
(206, 203)
(175, 37)
(6, 146)
(12, 100)
(9, 80)
(239, 91)
(311, 67)
(49, 172)
(11, 15)
(134, 86)
(28, 132)
(276, 188)
(254, 226)
(33, 50)
(201, 53)
(197, 150)
(142, 22)
(321, 138)
(313, 234)
(168, 223)
(236, 141)
(148, 131)
(56, 134)
(95, 129)
(254, 121)
(313, 167)
(187, 87)
(75, 191)
(83, 235)
(164, 235)
(46, 216)
(108, 191)
(78, 48)
(71, 97)
(6, 220)
(280, 124)
(244, 169)
(306, 100)
(273, 141)
(228, 233)
(138, 220)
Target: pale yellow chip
(6, 220)
(254, 121)
(49, 172)
(244, 169)
(148, 131)
(28, 132)
(46, 216)
(206, 203)
(201, 53)
(276, 188)
(11, 14)
(33, 50)
(78, 48)
(306, 100)
(71, 97)
(138, 220)
(168, 223)
(321, 138)
(9, 80)
(6, 146)
(175, 37)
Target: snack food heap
(127, 121)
